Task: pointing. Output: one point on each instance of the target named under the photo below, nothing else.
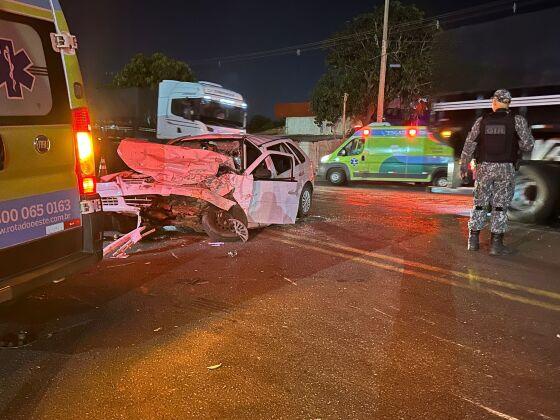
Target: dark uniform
(497, 139)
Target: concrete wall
(307, 126)
(317, 149)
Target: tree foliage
(261, 123)
(353, 63)
(149, 71)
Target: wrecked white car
(220, 184)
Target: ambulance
(50, 213)
(389, 153)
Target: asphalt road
(370, 308)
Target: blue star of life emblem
(14, 70)
(354, 162)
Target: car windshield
(209, 112)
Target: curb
(452, 191)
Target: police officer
(497, 138)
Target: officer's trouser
(493, 190)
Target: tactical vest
(498, 140)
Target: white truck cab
(191, 109)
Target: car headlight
(325, 159)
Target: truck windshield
(209, 112)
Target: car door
(275, 200)
(40, 215)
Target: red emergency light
(411, 132)
(366, 132)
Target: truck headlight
(325, 159)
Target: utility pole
(344, 115)
(383, 69)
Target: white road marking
(445, 340)
(488, 409)
(381, 312)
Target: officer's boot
(497, 246)
(474, 242)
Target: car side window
(252, 154)
(280, 147)
(282, 165)
(296, 151)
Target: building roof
(293, 109)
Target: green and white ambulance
(388, 153)
(50, 213)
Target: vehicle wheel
(535, 196)
(222, 226)
(305, 201)
(337, 176)
(440, 180)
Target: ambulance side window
(33, 88)
(353, 148)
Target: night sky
(111, 31)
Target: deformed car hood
(169, 164)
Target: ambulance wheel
(535, 195)
(337, 177)
(440, 180)
(305, 201)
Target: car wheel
(535, 196)
(440, 180)
(305, 201)
(222, 226)
(337, 176)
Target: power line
(309, 46)
(421, 24)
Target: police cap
(503, 96)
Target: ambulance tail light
(85, 159)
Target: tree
(148, 71)
(353, 63)
(261, 123)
